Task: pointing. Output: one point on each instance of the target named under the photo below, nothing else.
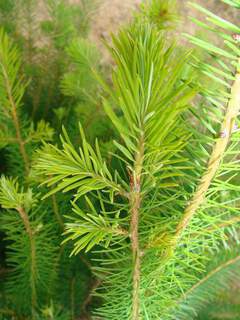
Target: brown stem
(135, 203)
(85, 262)
(89, 298)
(29, 231)
(232, 111)
(4, 271)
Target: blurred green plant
(38, 280)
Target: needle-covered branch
(83, 170)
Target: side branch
(232, 111)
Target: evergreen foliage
(175, 190)
(133, 213)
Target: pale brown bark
(135, 203)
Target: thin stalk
(72, 298)
(29, 231)
(56, 212)
(88, 300)
(135, 203)
(216, 157)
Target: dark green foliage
(25, 234)
(74, 287)
(38, 280)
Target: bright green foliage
(11, 197)
(205, 299)
(10, 82)
(162, 152)
(83, 170)
(234, 3)
(147, 106)
(91, 228)
(146, 91)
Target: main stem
(232, 111)
(135, 203)
(29, 231)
